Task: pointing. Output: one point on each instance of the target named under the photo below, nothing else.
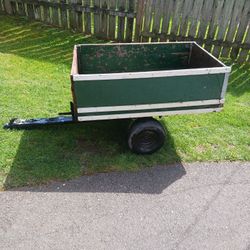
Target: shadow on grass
(39, 41)
(65, 152)
(69, 151)
(239, 82)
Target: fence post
(7, 6)
(140, 8)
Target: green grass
(35, 63)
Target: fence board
(157, 19)
(175, 29)
(185, 17)
(241, 29)
(130, 8)
(215, 20)
(2, 10)
(219, 24)
(112, 20)
(141, 6)
(205, 19)
(236, 15)
(245, 52)
(103, 32)
(195, 17)
(223, 23)
(168, 7)
(121, 6)
(97, 17)
(147, 19)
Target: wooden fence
(221, 26)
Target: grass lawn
(35, 63)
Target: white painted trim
(151, 74)
(131, 44)
(149, 106)
(149, 114)
(225, 84)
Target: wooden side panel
(132, 58)
(148, 91)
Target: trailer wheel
(146, 136)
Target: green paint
(132, 58)
(148, 91)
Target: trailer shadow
(96, 151)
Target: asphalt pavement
(189, 206)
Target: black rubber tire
(146, 136)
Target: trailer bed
(119, 81)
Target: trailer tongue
(35, 123)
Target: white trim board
(131, 44)
(151, 74)
(149, 106)
(149, 114)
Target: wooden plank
(225, 18)
(130, 8)
(206, 15)
(75, 16)
(195, 17)
(103, 30)
(97, 18)
(59, 14)
(63, 11)
(72, 15)
(79, 19)
(215, 21)
(148, 18)
(185, 18)
(13, 7)
(167, 15)
(87, 17)
(30, 9)
(236, 16)
(46, 14)
(159, 7)
(176, 20)
(37, 11)
(2, 10)
(112, 20)
(121, 6)
(245, 52)
(50, 16)
(54, 14)
(140, 11)
(244, 21)
(7, 6)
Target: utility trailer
(139, 81)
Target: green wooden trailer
(144, 80)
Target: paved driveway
(197, 206)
